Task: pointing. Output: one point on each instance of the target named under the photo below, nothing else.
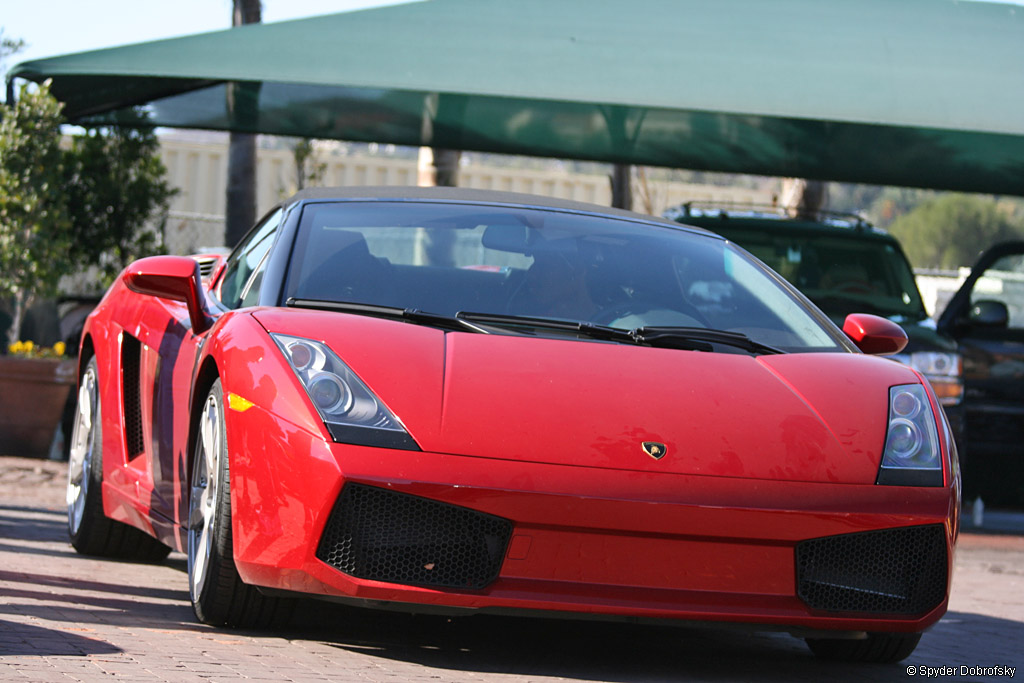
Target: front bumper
(591, 542)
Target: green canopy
(926, 93)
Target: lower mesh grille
(892, 571)
(382, 535)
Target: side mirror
(172, 277)
(875, 335)
(988, 313)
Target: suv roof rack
(726, 209)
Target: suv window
(842, 269)
(840, 274)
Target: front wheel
(91, 532)
(219, 597)
(880, 648)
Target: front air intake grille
(383, 535)
(892, 571)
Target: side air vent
(383, 535)
(891, 571)
(206, 264)
(131, 361)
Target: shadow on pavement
(619, 651)
(109, 613)
(44, 552)
(573, 649)
(95, 586)
(27, 640)
(33, 524)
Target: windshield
(842, 275)
(447, 258)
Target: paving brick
(64, 617)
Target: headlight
(912, 456)
(352, 413)
(944, 372)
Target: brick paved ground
(64, 617)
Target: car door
(986, 317)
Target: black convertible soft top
(465, 195)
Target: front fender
(264, 404)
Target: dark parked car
(986, 317)
(845, 265)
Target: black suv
(845, 265)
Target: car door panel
(993, 355)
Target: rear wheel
(880, 648)
(219, 597)
(92, 532)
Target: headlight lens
(912, 456)
(944, 372)
(330, 393)
(352, 413)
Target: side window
(251, 291)
(243, 272)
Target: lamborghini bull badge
(654, 449)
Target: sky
(57, 27)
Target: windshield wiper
(686, 338)
(577, 327)
(697, 339)
(413, 315)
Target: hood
(796, 417)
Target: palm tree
(622, 186)
(803, 198)
(242, 105)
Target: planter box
(33, 392)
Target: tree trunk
(241, 191)
(622, 188)
(438, 167)
(240, 213)
(20, 304)
(804, 199)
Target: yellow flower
(16, 347)
(59, 348)
(28, 346)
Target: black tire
(879, 648)
(219, 596)
(91, 532)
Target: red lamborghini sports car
(451, 400)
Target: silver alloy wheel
(203, 499)
(83, 444)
